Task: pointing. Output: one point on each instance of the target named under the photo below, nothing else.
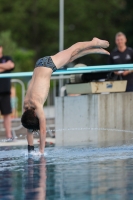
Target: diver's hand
(35, 153)
(41, 151)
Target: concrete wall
(109, 111)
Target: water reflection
(73, 173)
(35, 179)
(6, 185)
(103, 180)
(27, 182)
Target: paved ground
(19, 142)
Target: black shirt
(5, 83)
(126, 57)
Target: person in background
(6, 65)
(122, 55)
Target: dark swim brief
(46, 62)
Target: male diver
(33, 117)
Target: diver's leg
(78, 50)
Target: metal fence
(16, 125)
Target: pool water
(67, 173)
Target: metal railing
(22, 100)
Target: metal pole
(61, 35)
(61, 26)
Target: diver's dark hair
(29, 120)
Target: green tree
(35, 24)
(86, 19)
(127, 20)
(9, 45)
(23, 58)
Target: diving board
(78, 70)
(104, 67)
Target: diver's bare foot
(100, 43)
(97, 50)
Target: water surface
(70, 173)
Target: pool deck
(22, 142)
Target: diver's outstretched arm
(80, 49)
(42, 132)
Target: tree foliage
(6, 41)
(127, 21)
(24, 59)
(35, 25)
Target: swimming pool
(67, 173)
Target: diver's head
(29, 120)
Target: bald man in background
(122, 55)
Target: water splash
(35, 154)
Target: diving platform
(77, 70)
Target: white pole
(61, 26)
(61, 35)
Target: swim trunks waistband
(46, 62)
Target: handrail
(23, 88)
(23, 94)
